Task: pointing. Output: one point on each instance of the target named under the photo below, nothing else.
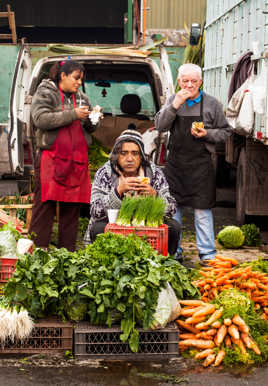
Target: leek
(156, 215)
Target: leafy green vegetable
(257, 265)
(142, 211)
(252, 235)
(155, 216)
(231, 237)
(97, 155)
(127, 210)
(116, 276)
(234, 302)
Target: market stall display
(116, 279)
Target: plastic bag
(8, 244)
(240, 113)
(259, 91)
(24, 246)
(168, 308)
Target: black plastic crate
(47, 336)
(103, 342)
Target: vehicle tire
(241, 188)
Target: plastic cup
(112, 215)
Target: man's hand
(180, 98)
(198, 133)
(126, 184)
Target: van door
(161, 152)
(18, 111)
(168, 85)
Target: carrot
(199, 343)
(203, 354)
(219, 358)
(187, 327)
(222, 331)
(255, 347)
(233, 331)
(216, 324)
(240, 323)
(188, 336)
(191, 302)
(223, 264)
(240, 344)
(262, 286)
(206, 334)
(207, 287)
(215, 316)
(189, 311)
(206, 310)
(230, 259)
(227, 341)
(227, 322)
(195, 320)
(246, 339)
(265, 310)
(209, 359)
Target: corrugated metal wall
(174, 13)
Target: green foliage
(234, 302)
(231, 237)
(114, 274)
(252, 235)
(97, 155)
(141, 211)
(257, 265)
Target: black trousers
(174, 230)
(43, 217)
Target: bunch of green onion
(141, 211)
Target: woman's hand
(82, 112)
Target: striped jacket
(104, 195)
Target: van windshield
(108, 94)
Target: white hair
(189, 67)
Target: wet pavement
(177, 371)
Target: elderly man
(120, 175)
(189, 169)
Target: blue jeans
(204, 231)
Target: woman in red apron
(61, 165)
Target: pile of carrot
(221, 274)
(202, 327)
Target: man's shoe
(205, 263)
(178, 257)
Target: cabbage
(231, 237)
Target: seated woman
(120, 175)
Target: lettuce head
(231, 237)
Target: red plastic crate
(157, 237)
(7, 267)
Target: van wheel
(241, 188)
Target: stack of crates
(156, 236)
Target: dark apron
(189, 169)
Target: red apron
(64, 169)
